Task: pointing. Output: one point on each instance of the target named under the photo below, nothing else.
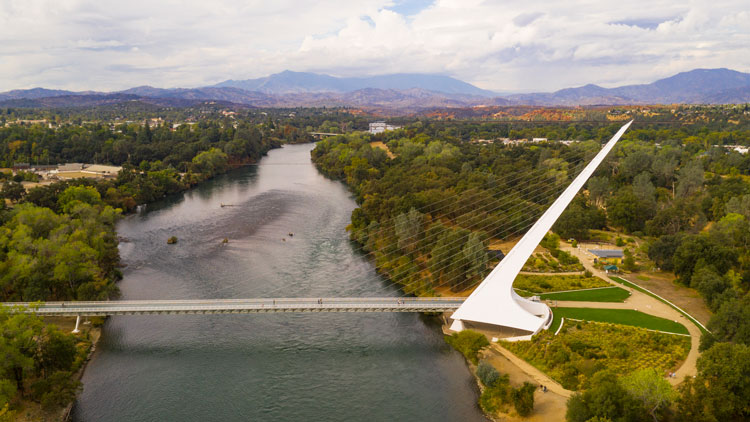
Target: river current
(265, 367)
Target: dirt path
(549, 406)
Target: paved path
(644, 303)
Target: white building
(380, 127)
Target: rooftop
(607, 253)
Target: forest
(427, 215)
(58, 241)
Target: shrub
(620, 242)
(523, 399)
(551, 241)
(487, 373)
(469, 343)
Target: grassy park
(621, 316)
(605, 294)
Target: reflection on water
(265, 367)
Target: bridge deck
(237, 306)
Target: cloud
(510, 45)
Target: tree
(627, 211)
(731, 323)
(739, 205)
(13, 191)
(409, 227)
(598, 190)
(629, 262)
(78, 194)
(690, 179)
(636, 163)
(702, 250)
(523, 399)
(57, 351)
(711, 286)
(644, 190)
(576, 221)
(720, 391)
(651, 389)
(605, 399)
(18, 344)
(475, 256)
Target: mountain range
(401, 92)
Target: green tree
(13, 191)
(78, 194)
(651, 389)
(523, 399)
(690, 179)
(409, 226)
(57, 351)
(605, 399)
(720, 391)
(627, 211)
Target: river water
(297, 367)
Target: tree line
(426, 216)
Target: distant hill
(406, 92)
(696, 86)
(288, 82)
(33, 93)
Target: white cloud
(504, 45)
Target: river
(298, 367)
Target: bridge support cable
(494, 303)
(517, 228)
(472, 207)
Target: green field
(609, 294)
(621, 316)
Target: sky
(503, 45)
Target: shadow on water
(338, 367)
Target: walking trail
(642, 302)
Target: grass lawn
(609, 294)
(622, 316)
(642, 290)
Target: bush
(551, 241)
(469, 343)
(620, 242)
(57, 390)
(495, 399)
(487, 373)
(523, 399)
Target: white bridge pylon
(494, 302)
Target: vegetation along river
(328, 366)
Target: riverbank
(194, 368)
(548, 406)
(30, 411)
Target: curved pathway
(642, 302)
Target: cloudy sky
(502, 45)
